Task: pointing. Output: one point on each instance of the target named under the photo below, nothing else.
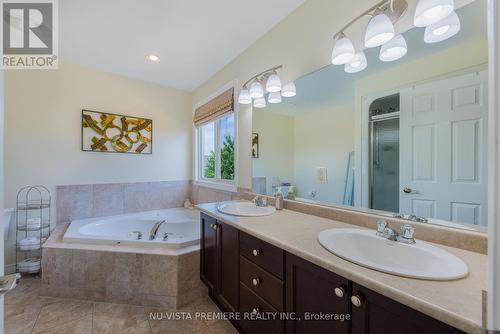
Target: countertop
(457, 303)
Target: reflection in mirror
(405, 138)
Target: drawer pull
(256, 311)
(256, 281)
(356, 300)
(339, 291)
(256, 252)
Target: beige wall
(302, 42)
(43, 132)
(275, 147)
(323, 139)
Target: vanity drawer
(263, 254)
(265, 285)
(269, 319)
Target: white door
(443, 147)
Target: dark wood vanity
(247, 275)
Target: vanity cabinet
(219, 256)
(313, 292)
(250, 276)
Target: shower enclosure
(384, 153)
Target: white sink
(246, 209)
(420, 260)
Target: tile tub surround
(459, 238)
(146, 276)
(98, 200)
(457, 303)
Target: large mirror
(406, 137)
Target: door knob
(357, 300)
(256, 281)
(256, 252)
(407, 190)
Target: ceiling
(194, 39)
(331, 86)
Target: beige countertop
(457, 303)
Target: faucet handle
(381, 225)
(407, 231)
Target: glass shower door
(385, 164)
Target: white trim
(494, 168)
(217, 184)
(9, 269)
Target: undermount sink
(246, 209)
(420, 260)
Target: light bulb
(343, 51)
(357, 64)
(274, 97)
(273, 83)
(244, 97)
(432, 11)
(259, 102)
(380, 30)
(256, 90)
(443, 29)
(289, 90)
(395, 49)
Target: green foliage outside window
(227, 161)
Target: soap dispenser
(278, 199)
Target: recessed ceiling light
(153, 58)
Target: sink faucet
(260, 201)
(405, 236)
(154, 230)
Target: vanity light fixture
(438, 16)
(444, 29)
(343, 51)
(256, 90)
(289, 90)
(432, 11)
(357, 64)
(395, 49)
(380, 30)
(153, 58)
(244, 97)
(259, 102)
(273, 88)
(273, 84)
(274, 97)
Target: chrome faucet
(405, 236)
(154, 230)
(260, 201)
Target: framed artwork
(255, 145)
(112, 133)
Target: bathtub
(181, 225)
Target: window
(216, 150)
(215, 123)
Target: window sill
(217, 185)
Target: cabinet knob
(215, 226)
(339, 291)
(256, 311)
(256, 252)
(357, 300)
(256, 281)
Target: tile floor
(27, 312)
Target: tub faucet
(154, 230)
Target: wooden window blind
(218, 106)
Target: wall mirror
(405, 137)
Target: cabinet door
(228, 254)
(379, 314)
(208, 252)
(310, 293)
